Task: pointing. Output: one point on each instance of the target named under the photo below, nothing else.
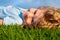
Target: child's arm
(1, 22)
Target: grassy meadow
(14, 32)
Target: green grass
(14, 32)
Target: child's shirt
(11, 15)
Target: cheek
(41, 15)
(37, 17)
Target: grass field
(14, 32)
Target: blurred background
(30, 3)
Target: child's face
(38, 15)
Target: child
(12, 15)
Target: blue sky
(30, 3)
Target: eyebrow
(35, 12)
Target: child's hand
(29, 18)
(1, 22)
(28, 15)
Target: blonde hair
(51, 18)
